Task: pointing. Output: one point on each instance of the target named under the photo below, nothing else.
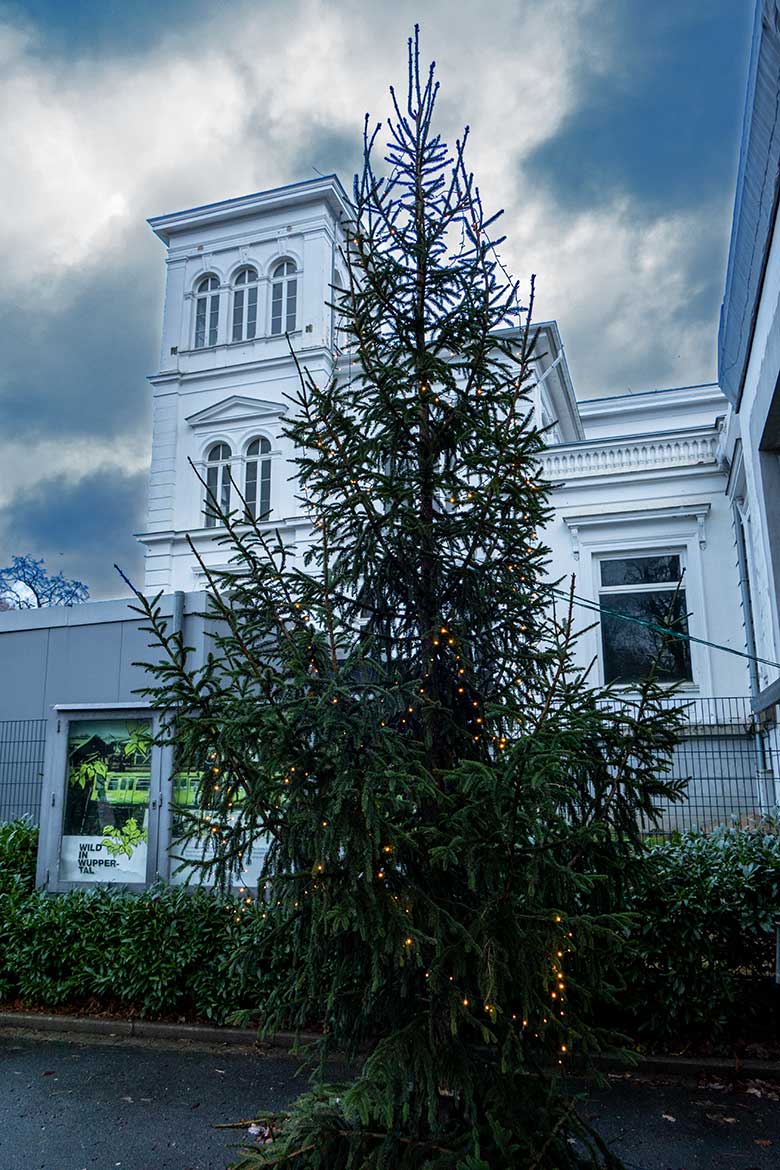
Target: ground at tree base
(95, 1104)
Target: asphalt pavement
(103, 1103)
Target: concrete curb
(152, 1030)
(688, 1066)
(678, 1066)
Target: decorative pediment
(236, 409)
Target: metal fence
(730, 761)
(21, 768)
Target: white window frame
(209, 298)
(644, 532)
(285, 281)
(262, 461)
(604, 592)
(240, 315)
(223, 467)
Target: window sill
(235, 344)
(687, 688)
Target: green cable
(666, 631)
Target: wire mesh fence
(22, 743)
(730, 761)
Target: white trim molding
(697, 512)
(692, 446)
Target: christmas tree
(450, 808)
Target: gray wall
(83, 654)
(57, 655)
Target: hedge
(167, 950)
(697, 971)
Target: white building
(645, 487)
(639, 485)
(749, 361)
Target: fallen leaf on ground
(758, 1088)
(765, 1142)
(668, 1117)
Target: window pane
(238, 314)
(292, 297)
(200, 324)
(629, 647)
(213, 318)
(250, 488)
(212, 479)
(641, 571)
(106, 801)
(251, 312)
(276, 309)
(265, 489)
(224, 499)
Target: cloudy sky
(607, 129)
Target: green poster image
(106, 820)
(184, 800)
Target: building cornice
(327, 189)
(210, 373)
(652, 402)
(695, 511)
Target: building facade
(638, 481)
(649, 519)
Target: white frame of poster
(54, 792)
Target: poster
(107, 786)
(185, 787)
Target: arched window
(337, 315)
(284, 297)
(206, 312)
(257, 485)
(245, 305)
(217, 482)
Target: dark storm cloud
(78, 363)
(81, 528)
(158, 104)
(329, 151)
(661, 122)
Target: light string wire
(666, 631)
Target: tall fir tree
(450, 808)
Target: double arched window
(284, 297)
(245, 305)
(217, 482)
(206, 312)
(257, 483)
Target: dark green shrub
(705, 910)
(18, 854)
(164, 951)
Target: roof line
(642, 393)
(253, 195)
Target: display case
(112, 804)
